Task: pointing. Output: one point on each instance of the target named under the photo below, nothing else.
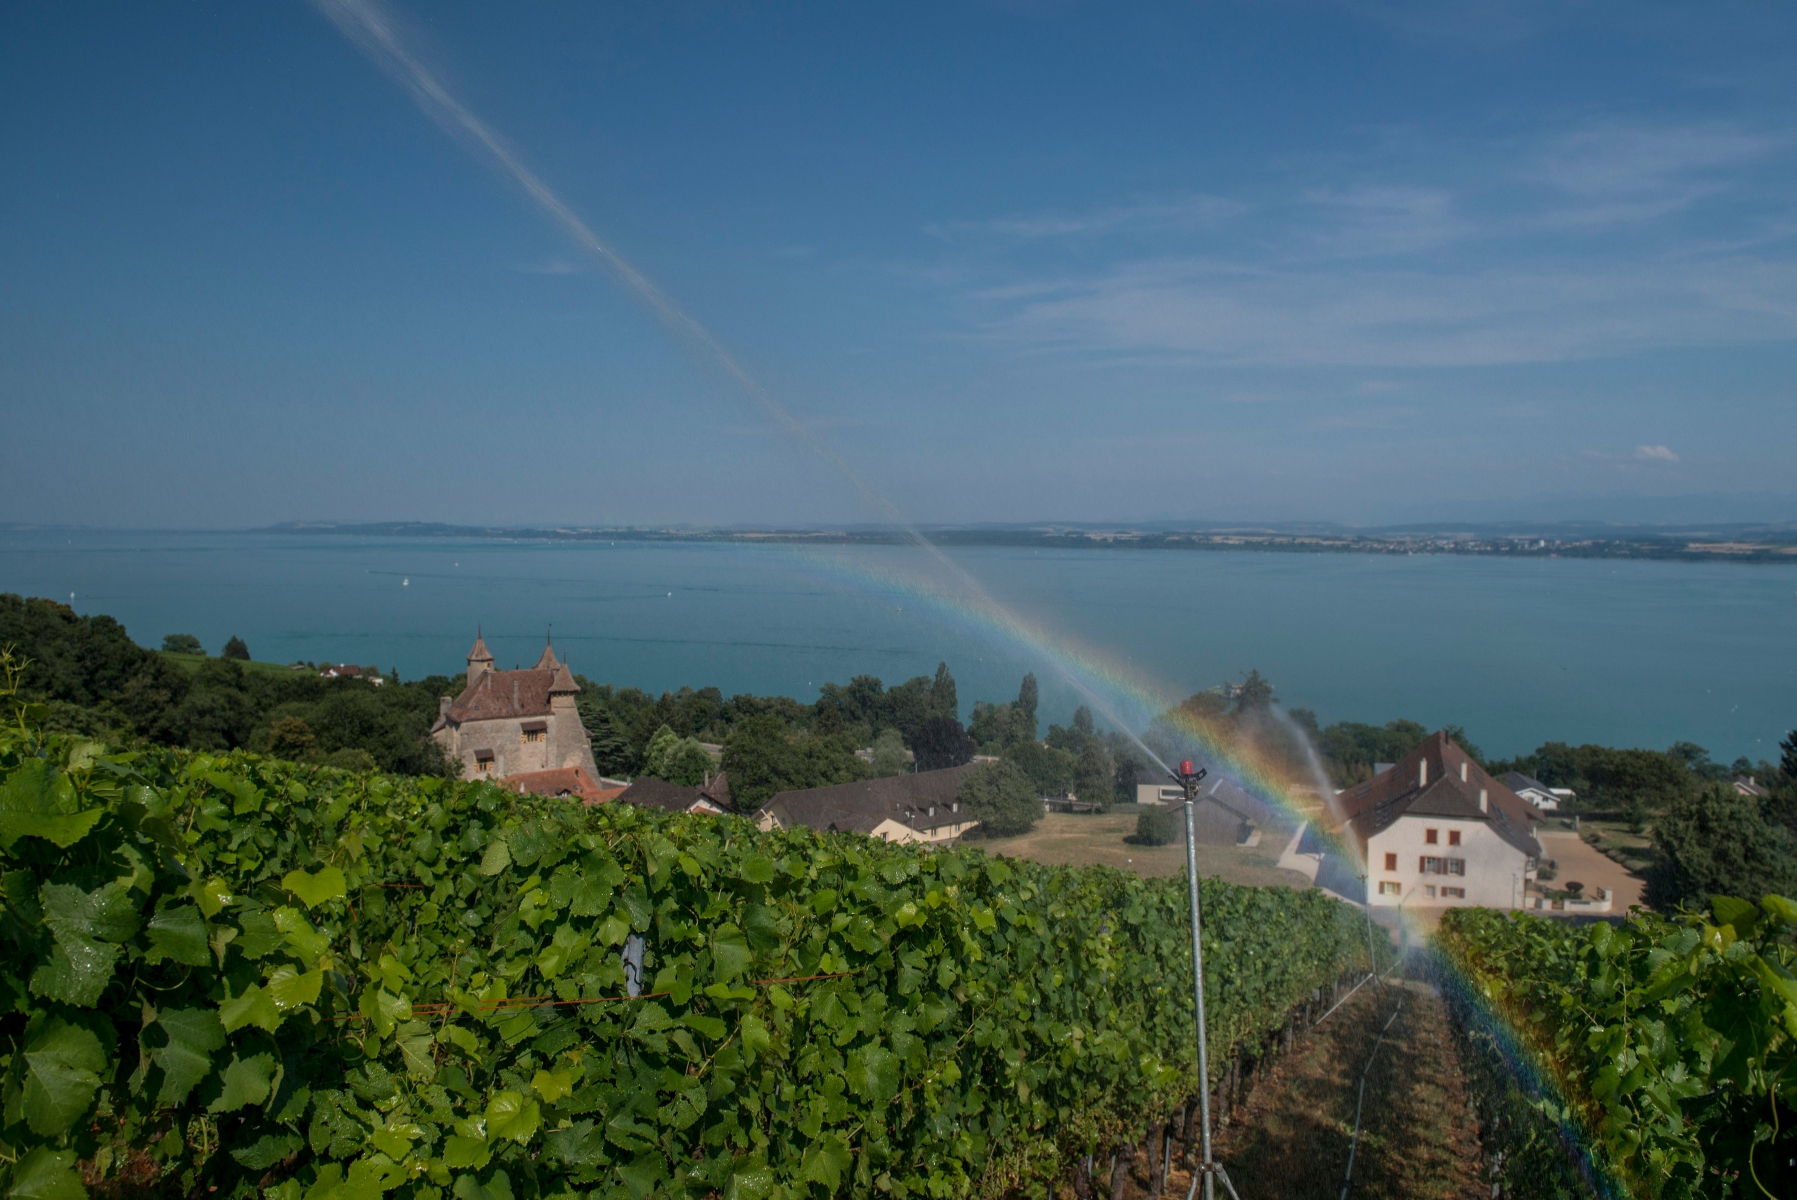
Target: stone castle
(512, 723)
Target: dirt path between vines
(1419, 1136)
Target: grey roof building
(923, 806)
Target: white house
(1438, 831)
(1545, 798)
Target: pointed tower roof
(563, 684)
(480, 653)
(546, 662)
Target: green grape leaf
(499, 1187)
(313, 890)
(465, 1153)
(730, 954)
(510, 1115)
(179, 934)
(290, 989)
(63, 1065)
(267, 1150)
(255, 1007)
(873, 1073)
(247, 1081)
(582, 1144)
(498, 857)
(260, 934)
(299, 935)
(39, 801)
(192, 1033)
(825, 1161)
(46, 1174)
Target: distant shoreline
(1745, 544)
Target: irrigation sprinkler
(1188, 777)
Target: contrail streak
(369, 26)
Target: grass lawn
(1635, 851)
(191, 664)
(1087, 839)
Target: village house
(713, 796)
(1545, 798)
(923, 807)
(1436, 830)
(1226, 814)
(511, 723)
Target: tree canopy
(1717, 842)
(1000, 797)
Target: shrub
(1155, 827)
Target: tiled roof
(480, 653)
(563, 781)
(1375, 804)
(1516, 781)
(564, 684)
(674, 797)
(546, 660)
(860, 807)
(495, 695)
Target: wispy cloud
(1555, 248)
(1191, 212)
(1655, 454)
(552, 266)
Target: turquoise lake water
(1517, 651)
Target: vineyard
(335, 986)
(1670, 1042)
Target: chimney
(1422, 773)
(1484, 801)
(1463, 772)
(443, 703)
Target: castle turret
(480, 660)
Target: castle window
(483, 762)
(534, 731)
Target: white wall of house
(1158, 793)
(1495, 871)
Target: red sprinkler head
(1185, 767)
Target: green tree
(889, 754)
(182, 643)
(612, 752)
(1717, 843)
(1050, 771)
(999, 796)
(291, 738)
(763, 757)
(942, 743)
(1093, 774)
(236, 649)
(1254, 693)
(942, 694)
(1027, 696)
(676, 759)
(1155, 827)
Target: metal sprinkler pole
(1188, 781)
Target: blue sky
(1364, 262)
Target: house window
(1390, 888)
(1429, 836)
(1453, 837)
(1391, 862)
(1429, 891)
(1456, 866)
(1441, 866)
(1449, 893)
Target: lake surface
(1517, 651)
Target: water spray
(367, 24)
